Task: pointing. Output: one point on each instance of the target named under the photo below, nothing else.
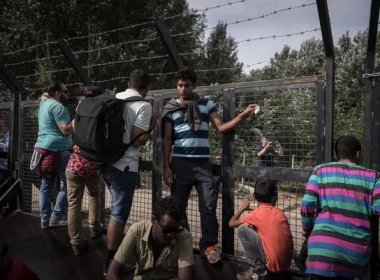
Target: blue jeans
(189, 172)
(122, 186)
(47, 184)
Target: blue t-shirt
(189, 143)
(51, 113)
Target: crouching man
(155, 249)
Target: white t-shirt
(138, 114)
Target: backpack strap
(134, 99)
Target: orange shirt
(273, 228)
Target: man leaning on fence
(121, 177)
(52, 152)
(186, 125)
(336, 210)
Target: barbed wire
(155, 38)
(204, 10)
(110, 31)
(196, 70)
(29, 48)
(275, 12)
(121, 28)
(164, 56)
(118, 44)
(34, 60)
(278, 36)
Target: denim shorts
(122, 186)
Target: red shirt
(273, 228)
(80, 166)
(19, 271)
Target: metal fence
(292, 114)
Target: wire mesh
(288, 116)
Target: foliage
(41, 22)
(309, 60)
(221, 52)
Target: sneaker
(44, 224)
(57, 223)
(80, 249)
(106, 266)
(252, 274)
(212, 255)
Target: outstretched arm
(235, 221)
(232, 124)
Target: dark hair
(265, 191)
(54, 86)
(186, 74)
(167, 206)
(92, 91)
(138, 79)
(346, 147)
(3, 248)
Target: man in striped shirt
(339, 200)
(186, 126)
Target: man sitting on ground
(156, 249)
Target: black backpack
(99, 128)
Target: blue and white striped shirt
(189, 143)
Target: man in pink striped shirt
(339, 200)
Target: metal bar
(372, 32)
(320, 133)
(302, 82)
(324, 19)
(368, 152)
(272, 173)
(164, 34)
(375, 164)
(12, 191)
(73, 62)
(157, 151)
(329, 108)
(376, 128)
(10, 80)
(227, 175)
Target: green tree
(105, 55)
(221, 52)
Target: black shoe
(106, 266)
(79, 249)
(96, 232)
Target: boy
(264, 233)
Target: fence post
(14, 150)
(372, 125)
(157, 151)
(321, 125)
(228, 189)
